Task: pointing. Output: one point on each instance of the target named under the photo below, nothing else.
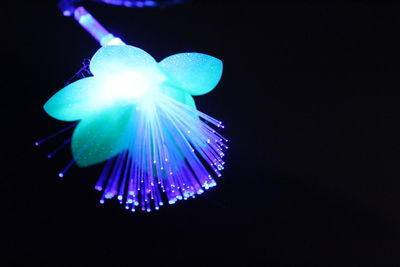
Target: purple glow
(171, 152)
(59, 148)
(172, 158)
(41, 141)
(64, 171)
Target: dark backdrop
(309, 100)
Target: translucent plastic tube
(92, 26)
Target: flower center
(127, 86)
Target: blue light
(139, 116)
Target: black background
(309, 100)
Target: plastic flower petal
(179, 95)
(140, 117)
(75, 101)
(195, 73)
(117, 58)
(122, 74)
(103, 135)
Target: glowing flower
(140, 116)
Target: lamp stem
(92, 26)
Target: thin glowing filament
(158, 146)
(170, 156)
(38, 143)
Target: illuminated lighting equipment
(139, 116)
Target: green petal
(76, 100)
(103, 135)
(179, 95)
(190, 101)
(119, 58)
(196, 73)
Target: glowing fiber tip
(139, 116)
